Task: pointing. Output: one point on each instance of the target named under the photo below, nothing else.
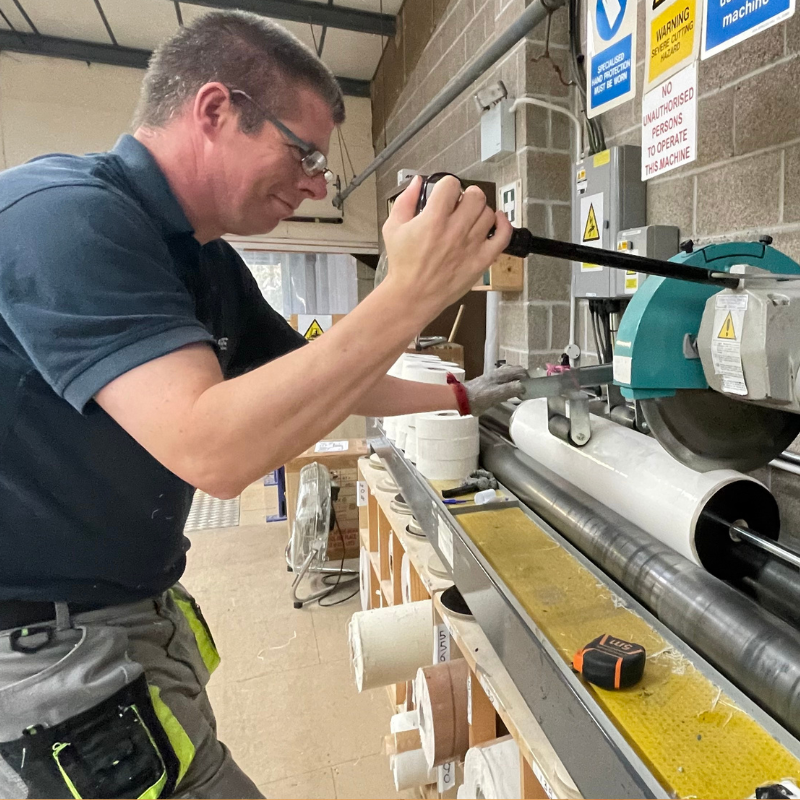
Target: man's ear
(212, 108)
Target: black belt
(22, 613)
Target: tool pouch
(117, 748)
(88, 725)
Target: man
(138, 361)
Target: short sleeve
(88, 288)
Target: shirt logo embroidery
(222, 343)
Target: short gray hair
(242, 51)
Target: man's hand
(437, 256)
(480, 394)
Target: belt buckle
(16, 636)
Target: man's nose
(314, 187)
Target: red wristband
(462, 401)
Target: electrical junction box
(652, 241)
(498, 131)
(608, 196)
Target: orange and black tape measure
(611, 663)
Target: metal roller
(754, 649)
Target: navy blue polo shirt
(100, 273)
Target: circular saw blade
(707, 430)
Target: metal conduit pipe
(532, 16)
(754, 649)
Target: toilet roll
(633, 475)
(388, 645)
(492, 770)
(441, 692)
(405, 578)
(365, 578)
(411, 441)
(448, 445)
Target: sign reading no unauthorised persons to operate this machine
(611, 76)
(669, 124)
(728, 22)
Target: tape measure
(611, 663)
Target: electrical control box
(652, 241)
(608, 196)
(498, 131)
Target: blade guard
(654, 352)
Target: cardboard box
(341, 459)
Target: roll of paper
(447, 445)
(388, 645)
(442, 705)
(405, 721)
(365, 579)
(410, 769)
(492, 770)
(396, 371)
(633, 475)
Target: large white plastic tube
(628, 472)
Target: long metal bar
(754, 649)
(570, 381)
(767, 545)
(98, 53)
(535, 13)
(348, 19)
(524, 243)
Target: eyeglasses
(428, 182)
(313, 162)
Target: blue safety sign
(611, 76)
(728, 22)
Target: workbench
(684, 731)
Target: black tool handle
(524, 243)
(465, 488)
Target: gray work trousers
(98, 652)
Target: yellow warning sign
(591, 233)
(727, 331)
(314, 330)
(672, 38)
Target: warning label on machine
(591, 222)
(726, 346)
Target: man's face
(258, 179)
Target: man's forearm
(392, 396)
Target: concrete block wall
(435, 40)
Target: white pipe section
(491, 347)
(535, 101)
(628, 472)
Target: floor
(284, 693)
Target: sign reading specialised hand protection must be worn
(669, 124)
(611, 73)
(728, 22)
(673, 38)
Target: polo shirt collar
(151, 186)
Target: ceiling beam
(349, 19)
(99, 53)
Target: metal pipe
(784, 464)
(743, 533)
(534, 14)
(754, 649)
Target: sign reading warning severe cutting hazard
(673, 38)
(592, 225)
